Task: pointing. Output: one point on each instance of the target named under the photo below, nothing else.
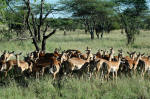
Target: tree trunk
(64, 32)
(102, 34)
(45, 38)
(97, 34)
(35, 44)
(92, 35)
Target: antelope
(99, 54)
(133, 63)
(146, 68)
(74, 63)
(55, 65)
(42, 63)
(132, 56)
(6, 56)
(99, 64)
(113, 66)
(7, 66)
(120, 54)
(22, 64)
(110, 56)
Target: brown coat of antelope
(134, 62)
(113, 66)
(147, 65)
(46, 62)
(7, 66)
(74, 63)
(22, 64)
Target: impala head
(6, 55)
(132, 54)
(41, 54)
(139, 56)
(120, 54)
(112, 50)
(100, 51)
(35, 54)
(87, 49)
(57, 50)
(17, 55)
(64, 57)
(104, 52)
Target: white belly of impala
(113, 69)
(77, 67)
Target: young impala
(23, 65)
(113, 66)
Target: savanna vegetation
(25, 26)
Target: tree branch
(28, 25)
(50, 34)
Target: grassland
(73, 88)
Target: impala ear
(11, 52)
(20, 53)
(4, 51)
(134, 52)
(128, 53)
(142, 54)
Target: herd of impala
(72, 62)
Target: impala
(6, 66)
(113, 66)
(6, 56)
(22, 64)
(74, 63)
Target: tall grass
(74, 88)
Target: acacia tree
(91, 12)
(130, 12)
(36, 22)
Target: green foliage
(64, 23)
(130, 13)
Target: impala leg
(96, 72)
(54, 76)
(5, 73)
(108, 75)
(143, 73)
(116, 75)
(37, 75)
(113, 76)
(55, 73)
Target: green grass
(74, 88)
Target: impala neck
(138, 58)
(111, 56)
(17, 58)
(88, 56)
